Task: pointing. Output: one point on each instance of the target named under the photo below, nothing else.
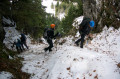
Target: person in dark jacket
(23, 41)
(18, 45)
(84, 29)
(50, 36)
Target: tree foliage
(52, 20)
(73, 12)
(29, 15)
(52, 6)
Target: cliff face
(103, 12)
(91, 8)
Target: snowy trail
(97, 60)
(68, 62)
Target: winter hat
(52, 25)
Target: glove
(56, 34)
(59, 35)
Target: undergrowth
(13, 64)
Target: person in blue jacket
(18, 45)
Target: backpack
(45, 34)
(83, 23)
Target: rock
(118, 65)
(68, 68)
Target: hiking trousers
(81, 39)
(25, 44)
(49, 41)
(19, 49)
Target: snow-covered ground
(11, 34)
(97, 60)
(5, 75)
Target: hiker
(49, 35)
(23, 41)
(84, 29)
(18, 45)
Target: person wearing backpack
(18, 45)
(23, 41)
(84, 29)
(49, 35)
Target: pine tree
(73, 12)
(29, 15)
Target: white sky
(48, 3)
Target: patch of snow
(61, 16)
(77, 34)
(77, 22)
(107, 42)
(11, 35)
(48, 3)
(5, 75)
(8, 21)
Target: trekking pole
(56, 44)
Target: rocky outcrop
(91, 8)
(103, 12)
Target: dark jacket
(23, 38)
(50, 33)
(84, 27)
(17, 43)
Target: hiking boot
(45, 49)
(50, 50)
(76, 44)
(81, 46)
